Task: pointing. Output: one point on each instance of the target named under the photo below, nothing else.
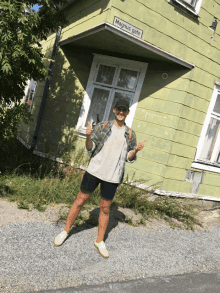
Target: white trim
(176, 194)
(142, 186)
(29, 85)
(130, 117)
(112, 61)
(206, 167)
(198, 162)
(41, 154)
(23, 142)
(186, 195)
(137, 41)
(115, 61)
(59, 160)
(206, 124)
(193, 10)
(26, 90)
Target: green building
(164, 57)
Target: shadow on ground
(115, 217)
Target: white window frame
(112, 61)
(26, 99)
(194, 9)
(209, 165)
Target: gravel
(30, 261)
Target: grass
(36, 182)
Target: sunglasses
(122, 109)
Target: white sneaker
(60, 238)
(102, 249)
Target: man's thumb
(89, 123)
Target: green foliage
(21, 28)
(21, 57)
(35, 182)
(177, 212)
(23, 205)
(9, 119)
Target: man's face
(121, 113)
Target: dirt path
(9, 213)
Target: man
(111, 144)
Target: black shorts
(90, 182)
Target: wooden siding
(63, 104)
(26, 132)
(170, 113)
(173, 110)
(85, 15)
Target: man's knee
(79, 203)
(105, 209)
(82, 199)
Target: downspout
(46, 87)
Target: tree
(21, 57)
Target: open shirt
(100, 135)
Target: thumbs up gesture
(140, 146)
(89, 129)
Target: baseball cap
(122, 103)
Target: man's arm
(132, 154)
(89, 143)
(138, 148)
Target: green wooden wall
(170, 113)
(26, 132)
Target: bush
(33, 181)
(10, 117)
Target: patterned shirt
(100, 135)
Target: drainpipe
(46, 89)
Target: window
(110, 79)
(190, 2)
(208, 150)
(30, 92)
(192, 6)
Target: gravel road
(30, 261)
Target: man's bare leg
(75, 209)
(103, 218)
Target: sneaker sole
(100, 252)
(57, 245)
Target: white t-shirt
(105, 165)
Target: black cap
(122, 103)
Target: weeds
(177, 212)
(23, 205)
(38, 182)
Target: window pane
(27, 96)
(105, 74)
(191, 2)
(118, 96)
(217, 105)
(127, 79)
(210, 139)
(98, 106)
(32, 89)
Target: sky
(35, 7)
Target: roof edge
(123, 34)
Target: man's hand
(88, 137)
(89, 129)
(140, 146)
